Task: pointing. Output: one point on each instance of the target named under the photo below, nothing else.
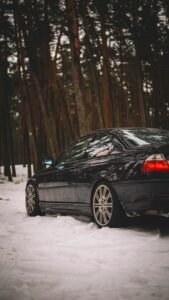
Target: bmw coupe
(106, 175)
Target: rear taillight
(155, 163)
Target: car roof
(118, 130)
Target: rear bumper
(141, 197)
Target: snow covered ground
(63, 258)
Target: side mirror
(47, 161)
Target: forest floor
(65, 258)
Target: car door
(59, 183)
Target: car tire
(106, 208)
(32, 201)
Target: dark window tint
(118, 145)
(146, 136)
(102, 143)
(75, 151)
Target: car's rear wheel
(32, 201)
(106, 208)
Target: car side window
(118, 145)
(102, 145)
(75, 152)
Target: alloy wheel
(102, 205)
(30, 199)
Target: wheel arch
(96, 183)
(32, 181)
(110, 185)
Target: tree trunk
(94, 82)
(138, 66)
(108, 105)
(75, 60)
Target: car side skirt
(66, 207)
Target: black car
(105, 175)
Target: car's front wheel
(106, 208)
(32, 201)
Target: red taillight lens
(155, 166)
(155, 163)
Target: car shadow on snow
(149, 224)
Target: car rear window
(146, 136)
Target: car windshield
(146, 136)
